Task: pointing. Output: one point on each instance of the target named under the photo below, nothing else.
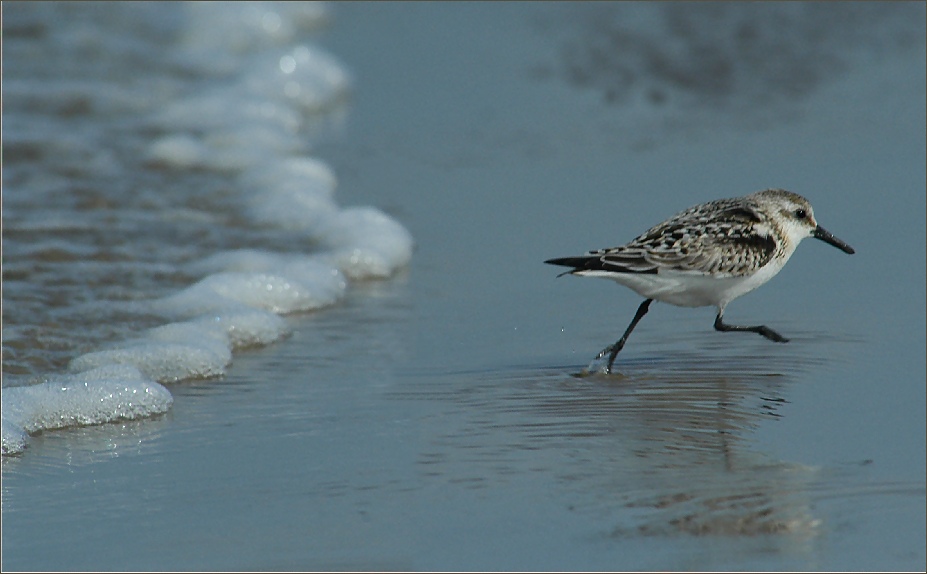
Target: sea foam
(268, 94)
(107, 394)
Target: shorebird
(707, 255)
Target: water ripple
(665, 448)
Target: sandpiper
(707, 255)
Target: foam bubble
(197, 349)
(366, 243)
(169, 353)
(312, 271)
(293, 174)
(262, 129)
(272, 292)
(178, 151)
(206, 335)
(307, 76)
(229, 328)
(292, 193)
(13, 435)
(248, 328)
(162, 361)
(107, 394)
(250, 142)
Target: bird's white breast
(692, 289)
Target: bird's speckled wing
(725, 236)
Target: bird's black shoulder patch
(741, 213)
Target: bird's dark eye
(800, 213)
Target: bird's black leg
(612, 350)
(761, 329)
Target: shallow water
(435, 419)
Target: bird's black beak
(826, 236)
